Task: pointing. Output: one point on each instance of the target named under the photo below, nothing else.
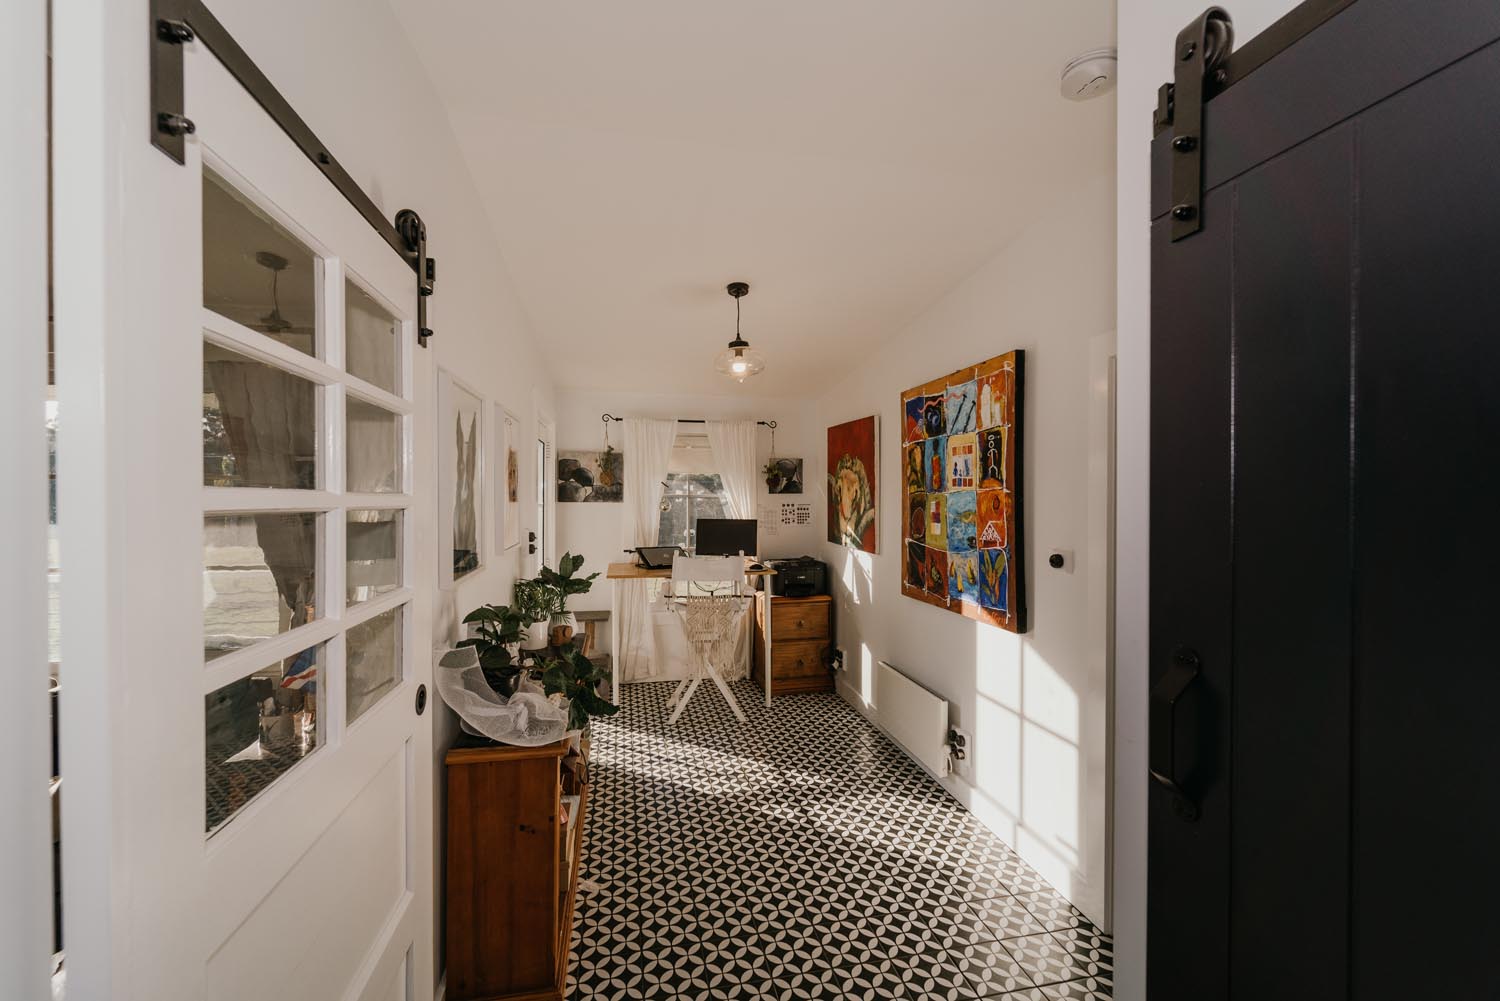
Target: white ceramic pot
(536, 637)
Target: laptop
(658, 557)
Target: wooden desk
(634, 571)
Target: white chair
(711, 620)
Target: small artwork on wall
(962, 491)
(591, 477)
(784, 476)
(462, 483)
(509, 479)
(852, 487)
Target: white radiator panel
(915, 717)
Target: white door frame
(546, 536)
(25, 741)
(140, 909)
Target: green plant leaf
(594, 704)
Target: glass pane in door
(373, 554)
(373, 447)
(256, 729)
(260, 577)
(260, 424)
(255, 272)
(374, 655)
(371, 345)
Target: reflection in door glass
(260, 424)
(254, 271)
(371, 348)
(373, 444)
(374, 667)
(259, 578)
(373, 554)
(256, 729)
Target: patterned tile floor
(802, 855)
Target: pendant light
(273, 322)
(739, 360)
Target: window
(306, 586)
(693, 489)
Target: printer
(801, 577)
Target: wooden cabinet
(512, 868)
(801, 633)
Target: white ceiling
(852, 160)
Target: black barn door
(1325, 510)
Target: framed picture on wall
(853, 491)
(461, 474)
(508, 478)
(961, 492)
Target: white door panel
(300, 814)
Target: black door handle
(1165, 695)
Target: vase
(560, 628)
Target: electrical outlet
(838, 662)
(961, 751)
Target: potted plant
(772, 472)
(563, 584)
(533, 601)
(577, 679)
(498, 645)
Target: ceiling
(852, 161)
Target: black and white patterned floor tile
(799, 856)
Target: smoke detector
(1089, 75)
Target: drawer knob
(800, 624)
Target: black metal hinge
(176, 23)
(1201, 50)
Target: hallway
(802, 855)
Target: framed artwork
(961, 492)
(508, 478)
(461, 483)
(596, 477)
(784, 476)
(852, 487)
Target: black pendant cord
(176, 23)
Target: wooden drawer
(795, 659)
(800, 621)
(796, 618)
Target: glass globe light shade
(739, 361)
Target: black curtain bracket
(175, 23)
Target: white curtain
(733, 444)
(648, 451)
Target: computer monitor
(726, 536)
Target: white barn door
(262, 586)
(317, 800)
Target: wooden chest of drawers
(801, 633)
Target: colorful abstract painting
(852, 489)
(961, 451)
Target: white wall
(1147, 31)
(349, 71)
(1036, 703)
